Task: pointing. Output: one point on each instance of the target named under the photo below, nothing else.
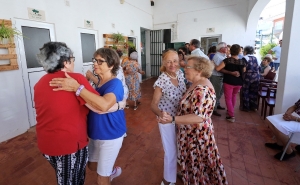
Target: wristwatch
(173, 120)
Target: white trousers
(168, 137)
(105, 153)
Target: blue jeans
(276, 66)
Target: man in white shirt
(277, 51)
(194, 47)
(217, 77)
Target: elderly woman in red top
(62, 116)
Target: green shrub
(266, 48)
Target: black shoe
(221, 108)
(274, 146)
(216, 113)
(286, 156)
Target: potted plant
(131, 45)
(118, 37)
(114, 47)
(7, 33)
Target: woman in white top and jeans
(169, 88)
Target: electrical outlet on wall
(67, 2)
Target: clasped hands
(164, 118)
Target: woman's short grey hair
(221, 45)
(202, 65)
(249, 50)
(53, 55)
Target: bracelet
(79, 90)
(118, 105)
(173, 120)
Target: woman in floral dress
(131, 69)
(251, 81)
(200, 161)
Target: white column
(288, 90)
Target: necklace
(171, 76)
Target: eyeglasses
(72, 58)
(99, 61)
(189, 67)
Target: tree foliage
(266, 48)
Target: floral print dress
(200, 160)
(132, 79)
(250, 84)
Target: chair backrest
(270, 76)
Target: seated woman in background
(265, 66)
(282, 126)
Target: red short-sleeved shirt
(61, 116)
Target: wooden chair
(262, 92)
(270, 101)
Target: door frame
(22, 61)
(84, 66)
(219, 36)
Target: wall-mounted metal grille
(156, 48)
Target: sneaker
(127, 106)
(231, 119)
(116, 173)
(286, 156)
(135, 107)
(274, 146)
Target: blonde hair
(164, 56)
(202, 65)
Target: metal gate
(156, 48)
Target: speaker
(152, 3)
(167, 36)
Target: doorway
(207, 42)
(89, 44)
(37, 34)
(143, 52)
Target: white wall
(228, 17)
(289, 77)
(131, 15)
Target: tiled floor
(241, 145)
